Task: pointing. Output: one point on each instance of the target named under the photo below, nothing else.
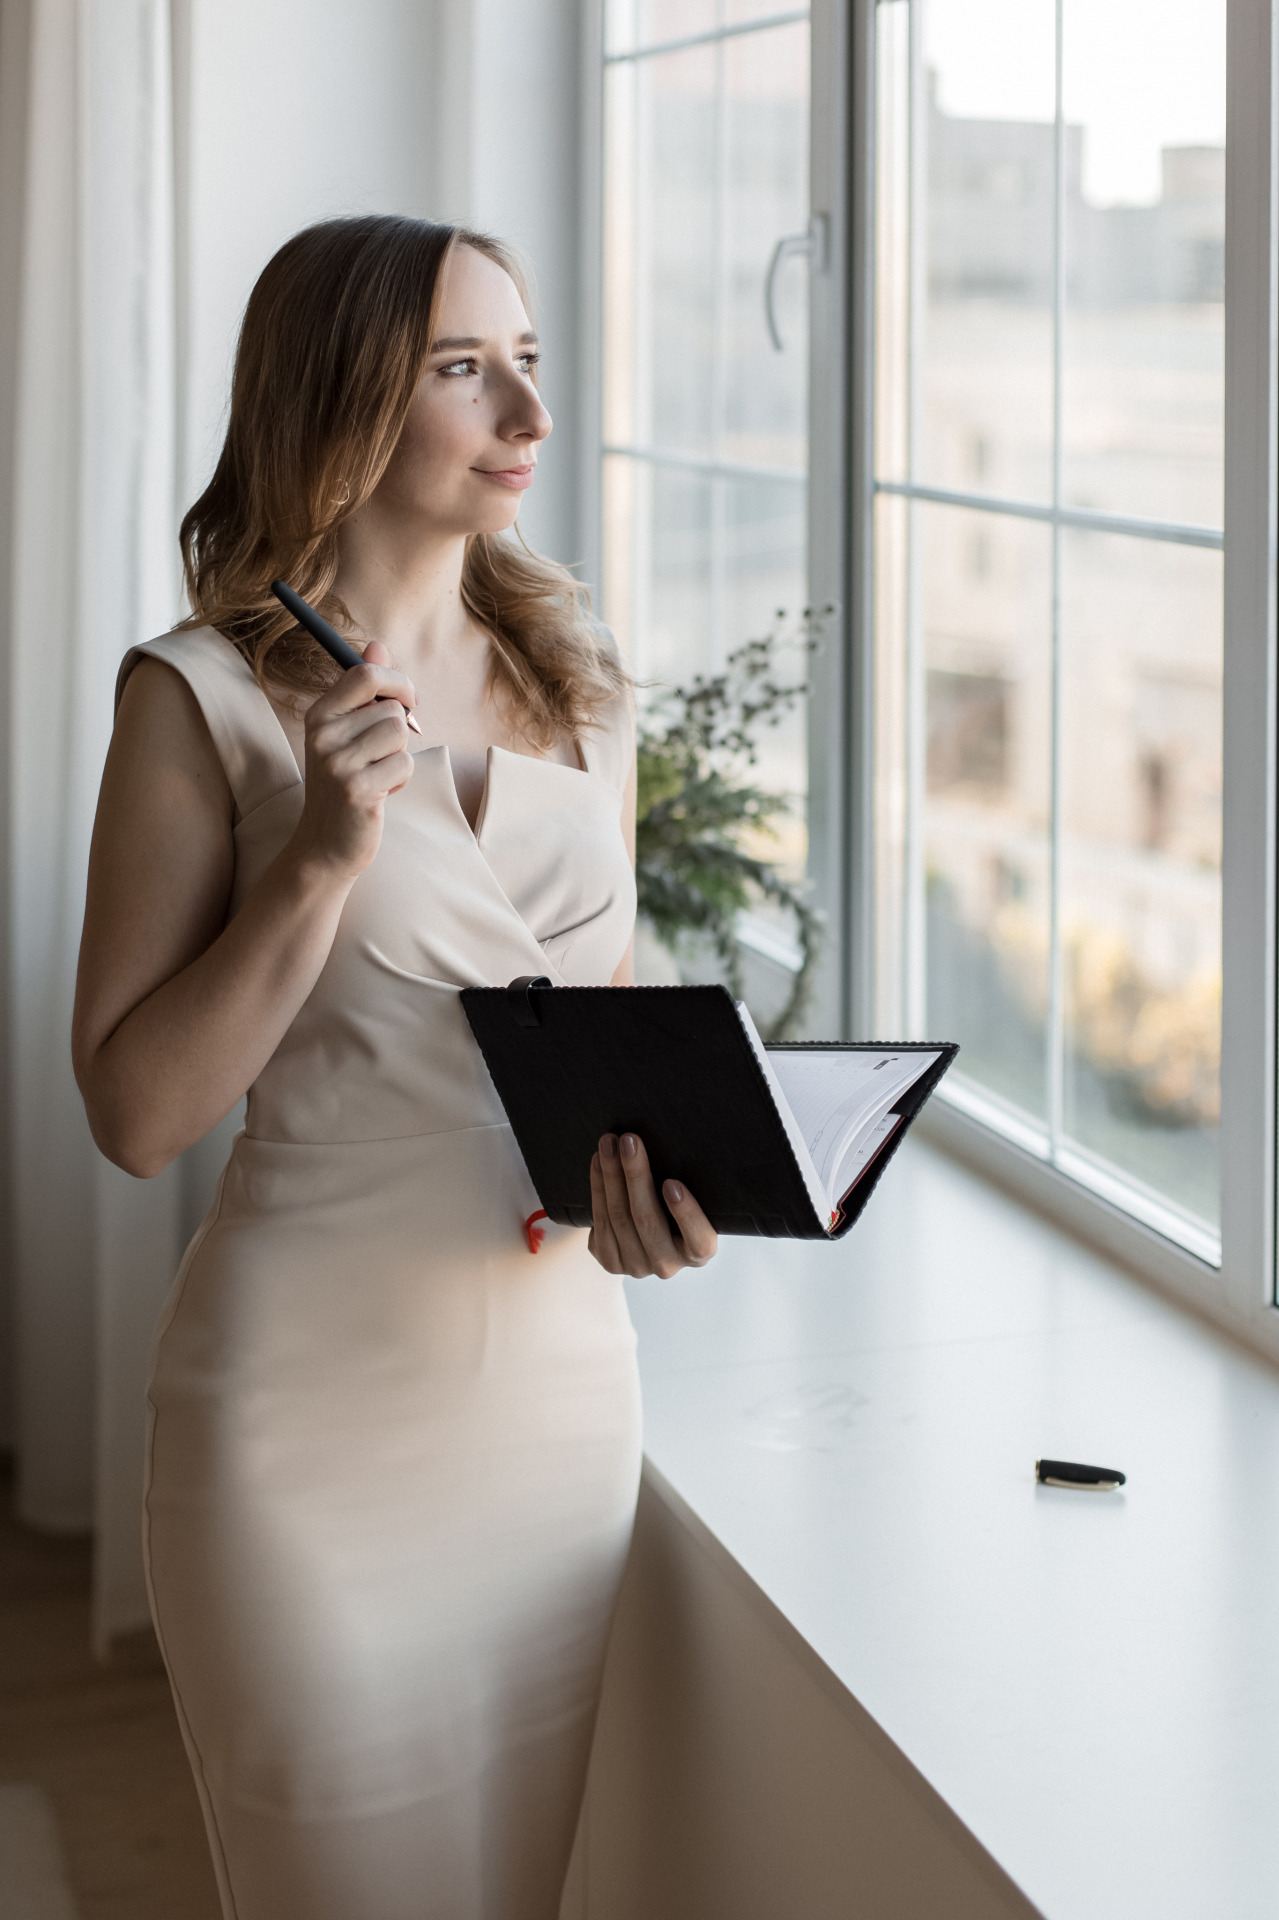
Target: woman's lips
(517, 478)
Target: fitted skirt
(393, 1462)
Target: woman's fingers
(701, 1242)
(356, 757)
(364, 738)
(369, 785)
(358, 686)
(602, 1241)
(630, 1222)
(617, 1195)
(646, 1210)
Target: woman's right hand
(356, 757)
(631, 1231)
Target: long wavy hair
(334, 339)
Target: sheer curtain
(92, 569)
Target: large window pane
(659, 593)
(894, 804)
(984, 298)
(1141, 859)
(765, 529)
(707, 169)
(705, 413)
(743, 11)
(894, 393)
(1145, 209)
(690, 556)
(661, 251)
(630, 24)
(987, 699)
(644, 23)
(1048, 673)
(963, 793)
(766, 198)
(764, 532)
(627, 517)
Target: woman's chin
(498, 516)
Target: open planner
(786, 1141)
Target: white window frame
(1239, 1292)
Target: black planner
(785, 1141)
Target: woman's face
(469, 446)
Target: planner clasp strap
(519, 995)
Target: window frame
(1241, 1292)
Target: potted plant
(702, 817)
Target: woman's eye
(463, 369)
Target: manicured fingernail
(629, 1144)
(608, 1147)
(674, 1192)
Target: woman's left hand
(631, 1232)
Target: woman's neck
(404, 590)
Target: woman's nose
(533, 421)
(521, 413)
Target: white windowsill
(1089, 1681)
(1094, 1177)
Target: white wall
(296, 114)
(458, 109)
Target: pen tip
(412, 723)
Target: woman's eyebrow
(460, 344)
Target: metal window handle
(810, 245)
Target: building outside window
(1048, 560)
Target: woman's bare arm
(177, 1012)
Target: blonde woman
(393, 1451)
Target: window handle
(811, 245)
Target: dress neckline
(419, 749)
(506, 753)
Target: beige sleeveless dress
(393, 1453)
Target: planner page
(817, 1191)
(839, 1101)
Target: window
(705, 349)
(1038, 431)
(1048, 475)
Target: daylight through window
(1050, 211)
(705, 376)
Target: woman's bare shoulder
(161, 736)
(153, 687)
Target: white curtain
(93, 569)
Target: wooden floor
(102, 1742)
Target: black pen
(326, 636)
(1069, 1473)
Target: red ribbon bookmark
(532, 1232)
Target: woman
(393, 1450)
